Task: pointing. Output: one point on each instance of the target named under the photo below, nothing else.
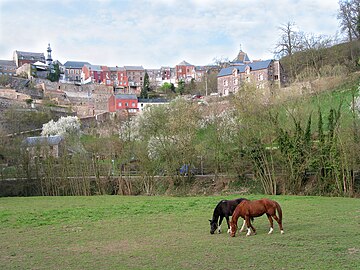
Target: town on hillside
(95, 89)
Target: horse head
(233, 228)
(213, 226)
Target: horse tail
(278, 208)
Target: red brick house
(119, 78)
(21, 58)
(185, 71)
(119, 102)
(135, 78)
(106, 76)
(92, 73)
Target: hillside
(338, 60)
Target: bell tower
(48, 58)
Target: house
(91, 73)
(135, 76)
(20, 58)
(263, 74)
(44, 146)
(7, 67)
(120, 79)
(123, 102)
(106, 76)
(185, 72)
(73, 70)
(145, 102)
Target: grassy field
(118, 232)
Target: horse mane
(216, 211)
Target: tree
(288, 44)
(146, 87)
(54, 73)
(181, 87)
(65, 125)
(349, 15)
(290, 40)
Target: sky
(157, 33)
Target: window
(260, 77)
(119, 104)
(126, 104)
(133, 104)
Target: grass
(118, 232)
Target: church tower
(48, 58)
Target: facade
(121, 102)
(20, 58)
(185, 72)
(263, 74)
(106, 76)
(43, 146)
(146, 102)
(91, 73)
(135, 76)
(73, 70)
(7, 67)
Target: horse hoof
(282, 232)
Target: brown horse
(250, 209)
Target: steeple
(48, 58)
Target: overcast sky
(159, 32)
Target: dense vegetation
(306, 145)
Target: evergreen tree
(181, 87)
(54, 74)
(146, 87)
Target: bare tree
(349, 16)
(314, 45)
(289, 41)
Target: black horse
(224, 208)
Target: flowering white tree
(65, 125)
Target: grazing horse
(224, 208)
(250, 209)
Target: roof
(75, 64)
(242, 57)
(126, 96)
(94, 67)
(153, 100)
(27, 55)
(241, 68)
(7, 63)
(133, 67)
(116, 68)
(49, 140)
(38, 63)
(184, 63)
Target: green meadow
(139, 232)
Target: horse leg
(220, 221)
(228, 224)
(280, 224)
(271, 224)
(249, 226)
(243, 226)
